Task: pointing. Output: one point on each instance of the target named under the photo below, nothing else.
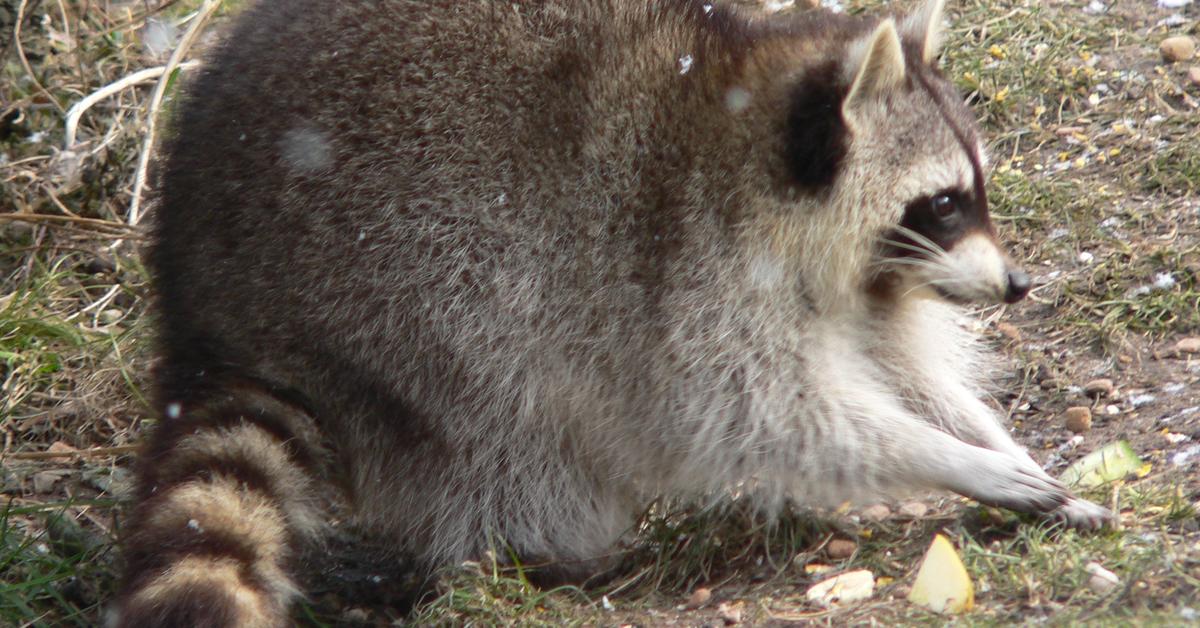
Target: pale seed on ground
(1079, 419)
(1178, 48)
(1194, 75)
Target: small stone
(1010, 331)
(841, 548)
(878, 512)
(16, 229)
(1141, 399)
(111, 316)
(356, 616)
(699, 597)
(1079, 419)
(44, 481)
(1102, 580)
(1112, 410)
(1194, 75)
(1178, 48)
(1102, 387)
(731, 614)
(1188, 345)
(913, 510)
(59, 447)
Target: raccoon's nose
(1018, 286)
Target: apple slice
(942, 584)
(1112, 462)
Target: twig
(185, 44)
(91, 222)
(78, 453)
(25, 61)
(78, 109)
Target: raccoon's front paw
(1084, 515)
(999, 479)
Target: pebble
(44, 481)
(914, 510)
(17, 229)
(699, 597)
(1188, 345)
(1102, 387)
(841, 548)
(1177, 48)
(59, 447)
(1112, 410)
(1194, 75)
(1079, 419)
(878, 512)
(1141, 399)
(356, 616)
(1102, 580)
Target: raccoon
(494, 272)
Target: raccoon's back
(349, 183)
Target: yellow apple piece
(942, 584)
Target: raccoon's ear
(923, 27)
(877, 64)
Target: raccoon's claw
(1084, 515)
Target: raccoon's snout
(1018, 286)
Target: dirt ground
(1095, 145)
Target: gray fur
(527, 275)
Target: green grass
(55, 570)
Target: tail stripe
(244, 453)
(211, 590)
(224, 492)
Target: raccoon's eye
(943, 206)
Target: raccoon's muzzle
(1018, 285)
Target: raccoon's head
(910, 168)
